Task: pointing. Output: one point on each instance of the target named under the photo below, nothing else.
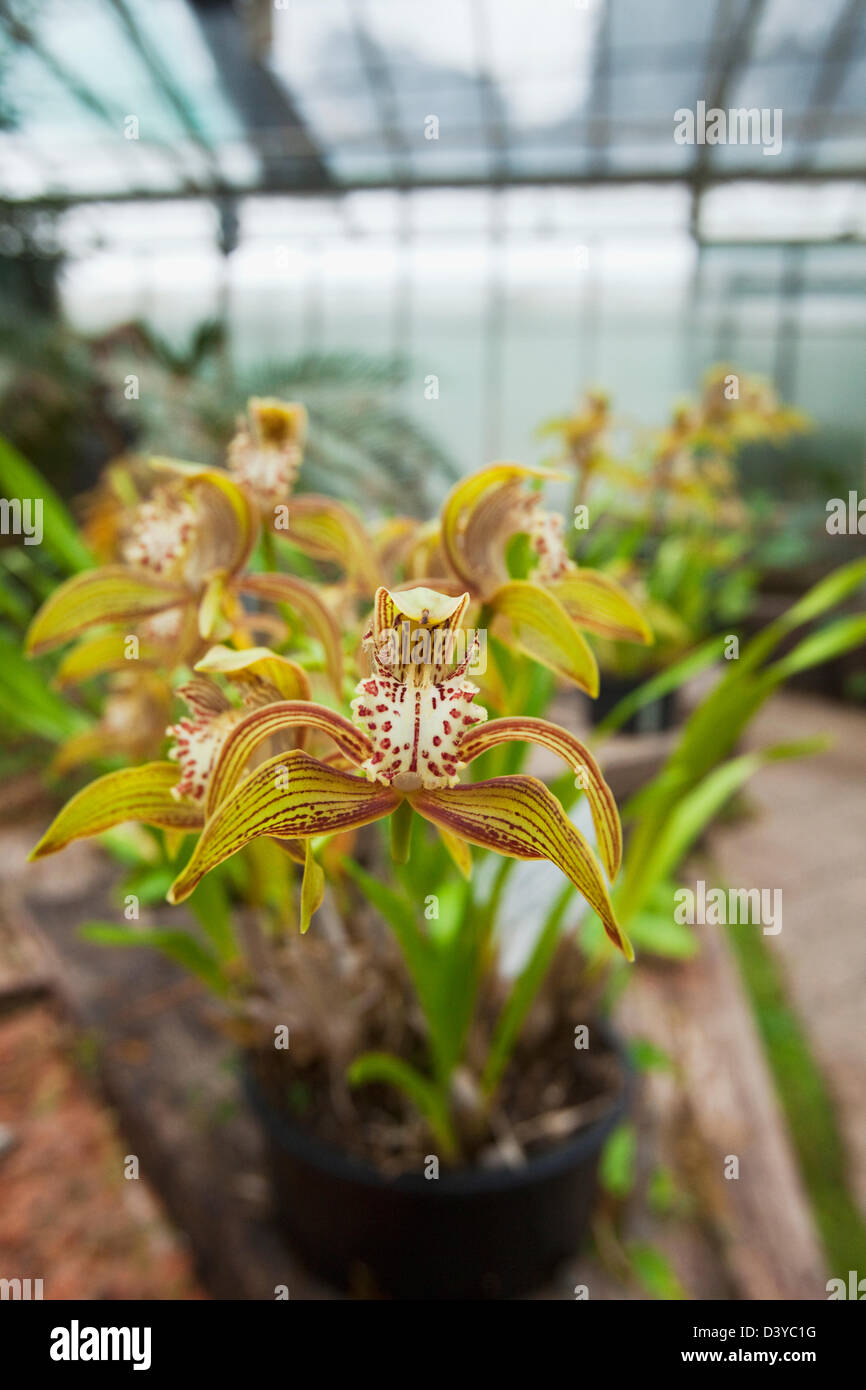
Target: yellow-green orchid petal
(474, 517)
(290, 796)
(458, 850)
(596, 602)
(261, 724)
(297, 594)
(230, 523)
(327, 530)
(258, 664)
(110, 595)
(312, 886)
(540, 626)
(85, 747)
(94, 656)
(230, 528)
(605, 816)
(133, 794)
(212, 620)
(519, 817)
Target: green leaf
(523, 993)
(424, 1095)
(654, 1272)
(670, 679)
(178, 945)
(693, 813)
(211, 905)
(662, 936)
(27, 702)
(833, 589)
(618, 1165)
(60, 538)
(826, 644)
(647, 1057)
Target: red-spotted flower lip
(198, 737)
(415, 729)
(162, 533)
(265, 453)
(417, 703)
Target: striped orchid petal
(327, 530)
(94, 656)
(304, 599)
(262, 724)
(596, 602)
(257, 666)
(227, 523)
(230, 522)
(133, 794)
(291, 796)
(478, 514)
(110, 595)
(541, 627)
(599, 795)
(519, 817)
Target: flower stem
(401, 832)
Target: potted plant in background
(676, 534)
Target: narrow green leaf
(178, 945)
(424, 1095)
(60, 538)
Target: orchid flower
(185, 553)
(171, 794)
(543, 614)
(414, 726)
(264, 458)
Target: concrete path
(807, 836)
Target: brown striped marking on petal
(291, 796)
(261, 724)
(519, 817)
(605, 815)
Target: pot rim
(460, 1182)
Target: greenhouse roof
(129, 99)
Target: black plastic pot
(655, 717)
(468, 1234)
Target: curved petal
(519, 817)
(290, 796)
(474, 516)
(94, 656)
(212, 621)
(458, 850)
(231, 521)
(542, 629)
(262, 724)
(110, 595)
(327, 530)
(305, 600)
(258, 664)
(596, 602)
(135, 793)
(230, 527)
(312, 886)
(605, 816)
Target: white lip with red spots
(415, 729)
(269, 473)
(199, 736)
(162, 533)
(546, 531)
